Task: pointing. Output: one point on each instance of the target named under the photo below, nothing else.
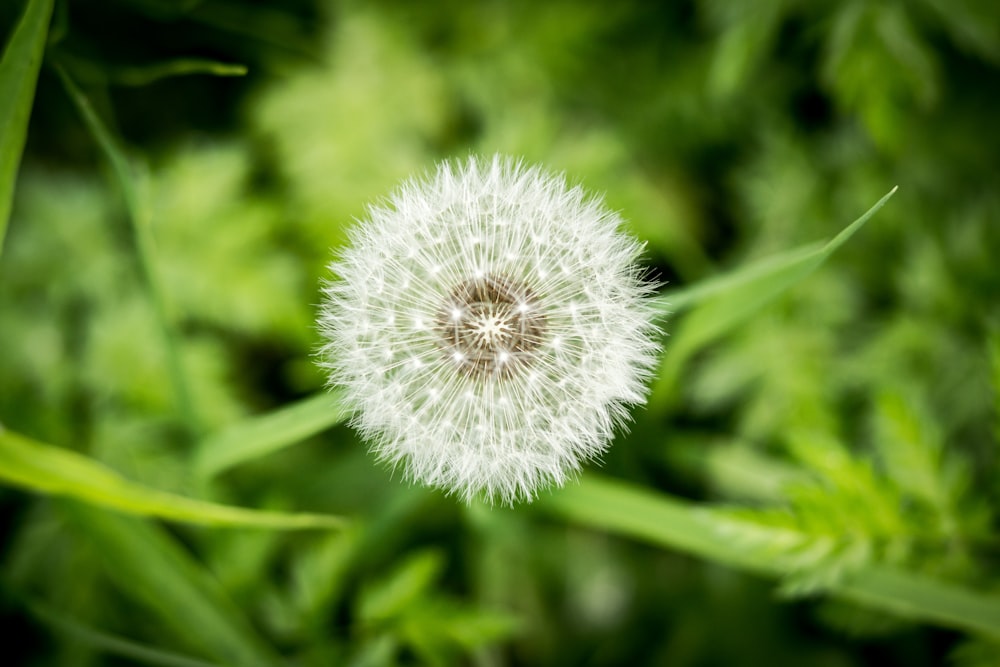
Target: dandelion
(490, 328)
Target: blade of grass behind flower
(59, 472)
(19, 67)
(720, 304)
(258, 436)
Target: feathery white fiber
(490, 327)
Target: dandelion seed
(535, 329)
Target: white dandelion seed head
(490, 328)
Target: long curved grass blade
(719, 304)
(59, 472)
(811, 255)
(147, 564)
(19, 67)
(684, 298)
(268, 433)
(624, 509)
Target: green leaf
(434, 629)
(837, 520)
(812, 558)
(149, 566)
(721, 303)
(935, 480)
(910, 449)
(259, 436)
(392, 595)
(734, 471)
(319, 574)
(19, 67)
(55, 471)
(624, 509)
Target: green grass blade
(141, 218)
(624, 509)
(719, 304)
(99, 73)
(147, 74)
(147, 564)
(111, 644)
(19, 67)
(263, 435)
(55, 471)
(690, 296)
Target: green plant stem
(140, 217)
(655, 517)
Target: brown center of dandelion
(490, 326)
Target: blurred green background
(856, 415)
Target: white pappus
(490, 327)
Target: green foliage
(111, 644)
(145, 563)
(805, 549)
(19, 66)
(831, 528)
(910, 506)
(56, 471)
(827, 415)
(936, 486)
(724, 303)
